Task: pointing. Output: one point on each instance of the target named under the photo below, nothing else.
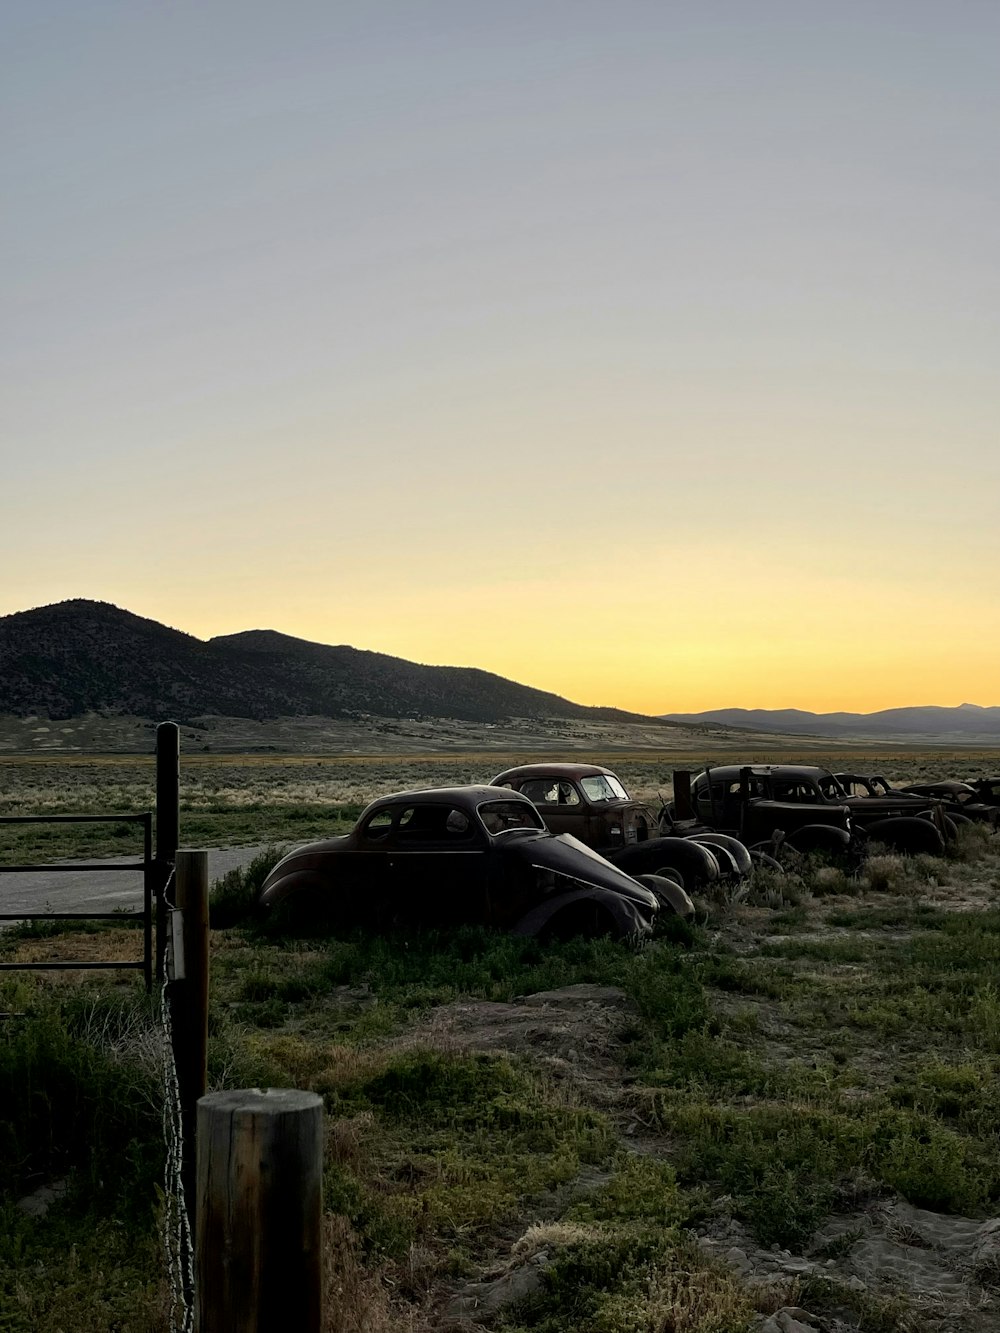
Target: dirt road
(52, 890)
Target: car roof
(557, 770)
(946, 784)
(467, 798)
(730, 771)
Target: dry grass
(355, 1300)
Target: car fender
(669, 895)
(694, 860)
(571, 860)
(907, 834)
(276, 891)
(819, 838)
(735, 848)
(631, 918)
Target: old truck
(805, 806)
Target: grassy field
(243, 800)
(793, 1104)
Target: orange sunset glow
(648, 358)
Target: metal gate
(150, 872)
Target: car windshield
(502, 816)
(603, 787)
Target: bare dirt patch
(572, 1033)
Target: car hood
(566, 855)
(902, 804)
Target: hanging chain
(177, 1237)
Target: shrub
(233, 898)
(80, 1092)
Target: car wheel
(668, 872)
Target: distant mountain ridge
(967, 722)
(79, 657)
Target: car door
(439, 866)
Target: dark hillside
(335, 680)
(80, 657)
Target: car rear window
(502, 816)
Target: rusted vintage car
(450, 855)
(591, 803)
(961, 800)
(810, 810)
(987, 790)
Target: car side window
(545, 791)
(799, 792)
(378, 826)
(421, 825)
(540, 790)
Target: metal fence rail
(147, 865)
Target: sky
(645, 352)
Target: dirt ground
(946, 1267)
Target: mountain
(81, 657)
(968, 723)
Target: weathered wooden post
(168, 780)
(188, 997)
(259, 1216)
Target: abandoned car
(455, 855)
(591, 803)
(987, 790)
(805, 806)
(961, 800)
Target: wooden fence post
(189, 1000)
(259, 1219)
(168, 778)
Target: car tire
(671, 873)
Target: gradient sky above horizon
(644, 352)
